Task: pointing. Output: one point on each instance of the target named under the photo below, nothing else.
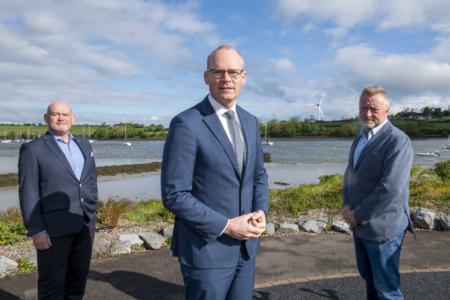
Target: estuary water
(293, 162)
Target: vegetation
(110, 211)
(148, 212)
(12, 229)
(11, 179)
(25, 266)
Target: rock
(152, 240)
(443, 222)
(101, 246)
(120, 247)
(423, 218)
(7, 266)
(132, 238)
(168, 232)
(314, 226)
(288, 228)
(270, 229)
(341, 226)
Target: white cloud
(284, 65)
(405, 73)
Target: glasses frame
(219, 73)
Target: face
(225, 87)
(373, 110)
(59, 118)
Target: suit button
(81, 185)
(82, 200)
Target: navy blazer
(377, 187)
(201, 185)
(51, 197)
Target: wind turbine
(319, 110)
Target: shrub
(25, 266)
(11, 233)
(442, 169)
(110, 211)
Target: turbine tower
(319, 109)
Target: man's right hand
(240, 228)
(42, 241)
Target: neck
(62, 135)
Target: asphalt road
(294, 267)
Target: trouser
(63, 268)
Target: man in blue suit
(375, 195)
(213, 180)
(58, 198)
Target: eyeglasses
(233, 73)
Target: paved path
(295, 267)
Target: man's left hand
(259, 219)
(348, 216)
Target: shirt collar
(373, 131)
(218, 108)
(58, 139)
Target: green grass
(25, 266)
(148, 212)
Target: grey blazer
(377, 187)
(51, 197)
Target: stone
(120, 247)
(132, 238)
(101, 246)
(443, 222)
(423, 218)
(270, 229)
(7, 266)
(168, 232)
(288, 228)
(152, 240)
(314, 226)
(341, 226)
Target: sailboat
(125, 137)
(266, 136)
(89, 134)
(6, 141)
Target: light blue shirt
(364, 140)
(73, 154)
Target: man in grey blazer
(375, 195)
(58, 198)
(213, 180)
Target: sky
(143, 61)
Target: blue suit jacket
(51, 197)
(377, 188)
(201, 185)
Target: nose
(226, 76)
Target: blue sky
(142, 61)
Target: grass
(11, 179)
(110, 211)
(148, 212)
(25, 266)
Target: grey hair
(372, 89)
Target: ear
(244, 77)
(46, 118)
(206, 77)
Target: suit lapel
(51, 144)
(351, 156)
(213, 123)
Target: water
(293, 162)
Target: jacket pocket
(52, 206)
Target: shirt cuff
(36, 234)
(223, 230)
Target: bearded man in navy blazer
(375, 195)
(58, 198)
(213, 180)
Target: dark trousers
(63, 269)
(233, 283)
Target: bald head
(59, 118)
(222, 48)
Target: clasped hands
(348, 216)
(248, 226)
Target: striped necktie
(237, 141)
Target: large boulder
(7, 266)
(423, 218)
(314, 226)
(101, 246)
(341, 226)
(288, 228)
(168, 232)
(443, 222)
(270, 229)
(152, 240)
